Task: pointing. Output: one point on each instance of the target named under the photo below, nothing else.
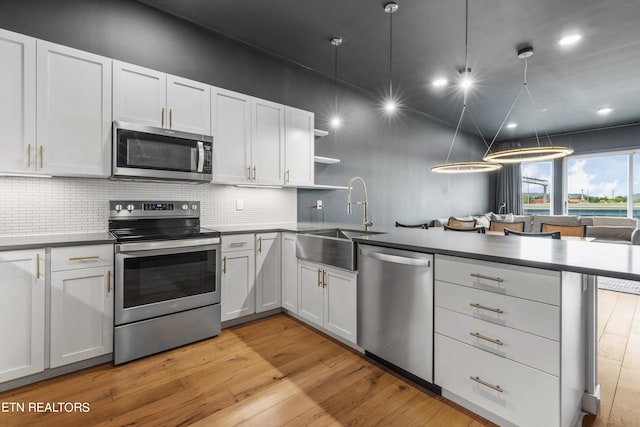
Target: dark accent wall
(393, 156)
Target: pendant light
(465, 83)
(530, 154)
(335, 121)
(390, 104)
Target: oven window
(161, 155)
(165, 277)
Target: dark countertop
(13, 243)
(292, 227)
(597, 258)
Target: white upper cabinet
(145, 96)
(73, 112)
(231, 126)
(17, 102)
(189, 104)
(139, 94)
(267, 148)
(299, 147)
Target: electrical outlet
(239, 204)
(319, 205)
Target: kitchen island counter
(14, 243)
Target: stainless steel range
(167, 283)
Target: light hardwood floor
(278, 371)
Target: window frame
(551, 183)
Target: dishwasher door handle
(416, 262)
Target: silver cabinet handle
(162, 117)
(255, 173)
(224, 265)
(41, 158)
(249, 173)
(170, 118)
(28, 155)
(486, 384)
(37, 266)
(324, 278)
(84, 258)
(482, 337)
(484, 307)
(109, 281)
(288, 175)
(319, 277)
(417, 262)
(234, 244)
(260, 244)
(480, 276)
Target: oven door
(158, 278)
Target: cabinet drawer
(530, 283)
(238, 242)
(72, 257)
(529, 316)
(528, 397)
(531, 350)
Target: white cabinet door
(268, 272)
(340, 302)
(231, 126)
(17, 102)
(81, 314)
(189, 104)
(311, 295)
(238, 279)
(289, 273)
(73, 111)
(267, 147)
(139, 94)
(298, 147)
(22, 306)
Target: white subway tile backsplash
(74, 205)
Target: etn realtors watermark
(53, 407)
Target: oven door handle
(193, 244)
(200, 157)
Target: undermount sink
(333, 246)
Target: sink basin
(333, 246)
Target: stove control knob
(185, 207)
(130, 207)
(194, 207)
(117, 208)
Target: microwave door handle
(200, 157)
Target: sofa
(604, 229)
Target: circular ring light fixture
(531, 154)
(466, 167)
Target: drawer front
(531, 350)
(528, 398)
(524, 315)
(530, 283)
(238, 242)
(73, 257)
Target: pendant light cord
(335, 79)
(391, 56)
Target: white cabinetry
(17, 103)
(238, 276)
(328, 298)
(268, 272)
(22, 309)
(73, 112)
(299, 147)
(231, 125)
(81, 303)
(145, 96)
(508, 340)
(289, 273)
(267, 147)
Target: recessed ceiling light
(512, 125)
(604, 111)
(570, 39)
(440, 82)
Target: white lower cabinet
(328, 298)
(289, 273)
(81, 303)
(22, 313)
(268, 272)
(238, 280)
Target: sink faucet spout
(366, 222)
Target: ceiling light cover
(466, 167)
(570, 39)
(530, 154)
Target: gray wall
(393, 157)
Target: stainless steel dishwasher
(395, 308)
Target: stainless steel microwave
(146, 152)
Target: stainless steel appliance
(146, 152)
(395, 309)
(167, 277)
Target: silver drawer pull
(486, 384)
(238, 243)
(83, 258)
(484, 307)
(480, 276)
(482, 337)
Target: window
(598, 185)
(536, 188)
